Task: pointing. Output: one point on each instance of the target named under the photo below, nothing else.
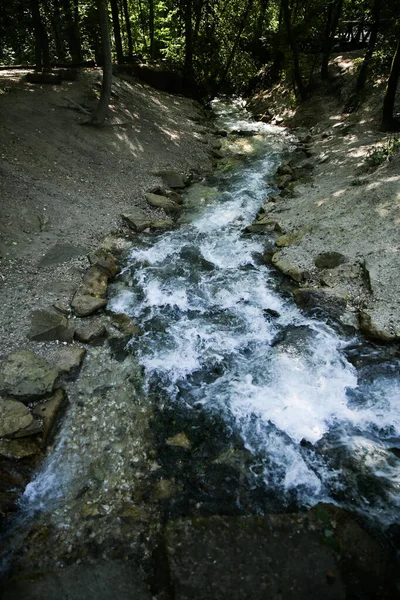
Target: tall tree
(128, 28)
(152, 29)
(117, 31)
(232, 53)
(42, 53)
(334, 12)
(388, 121)
(362, 76)
(72, 31)
(295, 53)
(188, 39)
(99, 115)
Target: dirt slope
(63, 186)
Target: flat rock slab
(26, 376)
(163, 202)
(49, 325)
(318, 555)
(18, 449)
(61, 253)
(103, 581)
(173, 179)
(136, 219)
(68, 360)
(49, 412)
(13, 416)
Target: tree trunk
(142, 22)
(128, 28)
(72, 31)
(53, 9)
(100, 113)
(362, 76)
(236, 44)
(334, 12)
(42, 54)
(117, 31)
(388, 121)
(293, 46)
(188, 39)
(151, 28)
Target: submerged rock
(320, 554)
(26, 376)
(104, 580)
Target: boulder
(49, 412)
(91, 295)
(18, 449)
(173, 179)
(285, 169)
(91, 333)
(310, 298)
(124, 324)
(26, 376)
(284, 181)
(180, 440)
(372, 328)
(329, 260)
(67, 361)
(48, 325)
(163, 202)
(292, 237)
(136, 219)
(264, 225)
(13, 417)
(105, 261)
(85, 304)
(162, 226)
(323, 553)
(104, 580)
(287, 268)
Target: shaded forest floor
(351, 205)
(63, 186)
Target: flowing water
(316, 411)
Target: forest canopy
(227, 46)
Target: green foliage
(380, 154)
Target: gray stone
(49, 325)
(180, 440)
(163, 202)
(13, 416)
(49, 412)
(92, 292)
(173, 179)
(287, 268)
(329, 260)
(284, 181)
(162, 225)
(373, 329)
(91, 333)
(136, 219)
(67, 361)
(26, 376)
(317, 298)
(284, 170)
(105, 580)
(85, 304)
(105, 261)
(124, 324)
(18, 449)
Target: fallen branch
(76, 106)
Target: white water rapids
(317, 429)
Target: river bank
(347, 202)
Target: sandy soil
(63, 186)
(351, 206)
